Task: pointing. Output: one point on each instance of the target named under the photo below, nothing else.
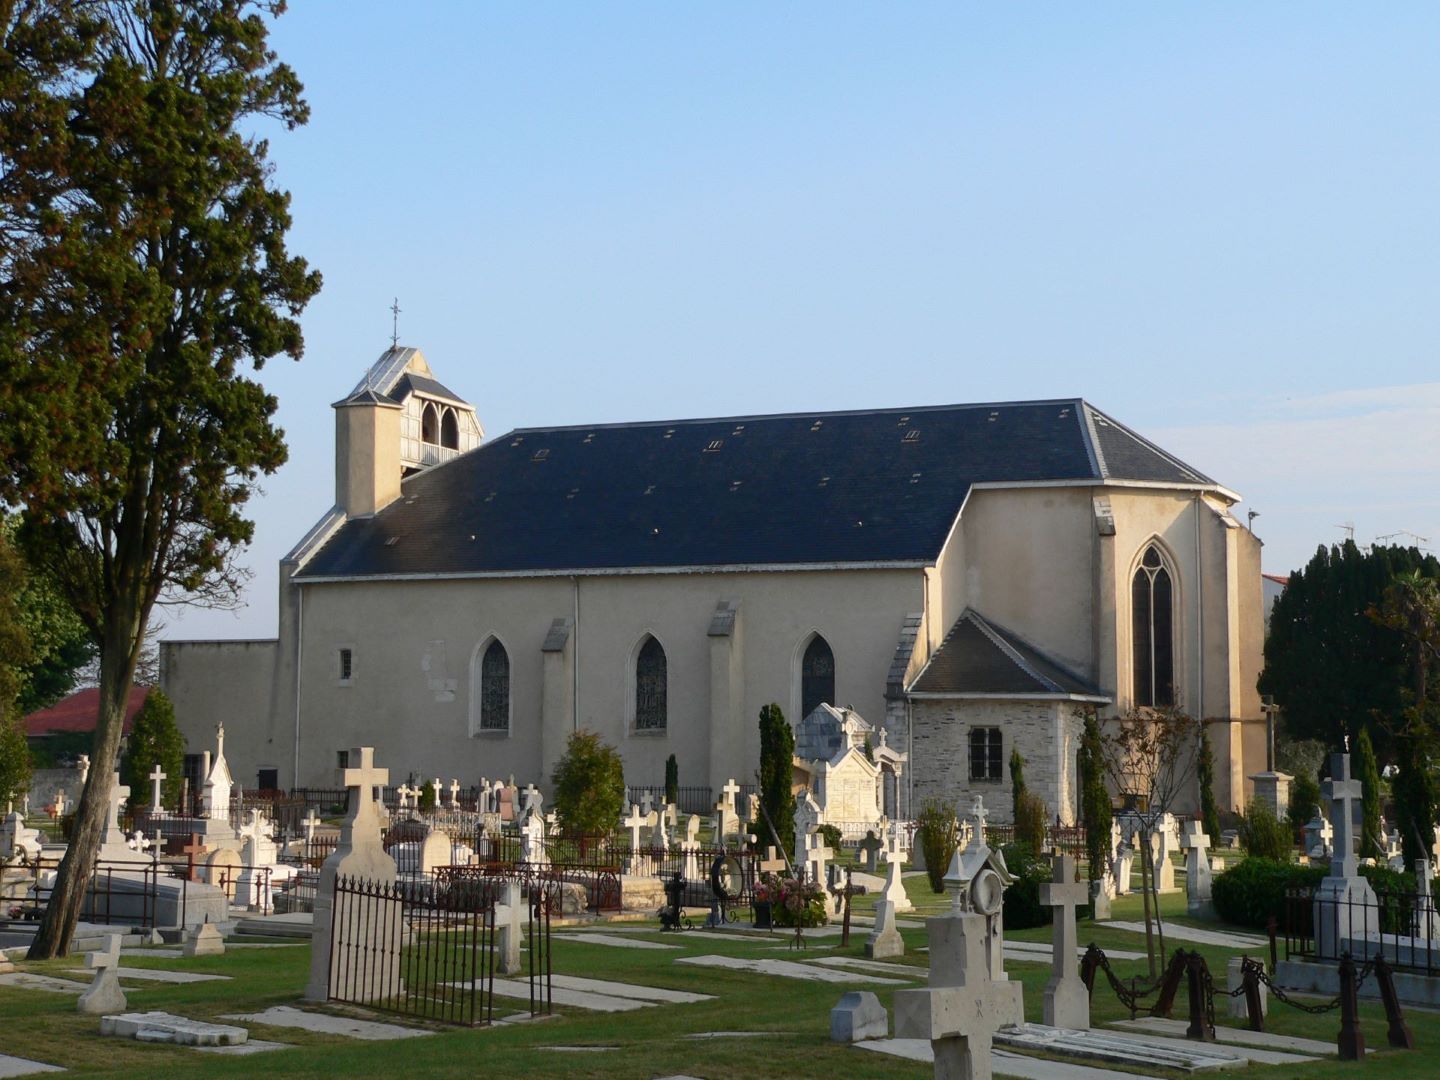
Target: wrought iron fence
(1401, 927)
(420, 952)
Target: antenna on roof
(395, 323)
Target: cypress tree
(1205, 775)
(1367, 771)
(1095, 807)
(155, 740)
(1017, 784)
(672, 780)
(777, 754)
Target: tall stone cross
(635, 822)
(533, 798)
(435, 787)
(119, 794)
(774, 861)
(312, 819)
(1067, 1002)
(509, 927)
(1342, 790)
(728, 793)
(156, 775)
(362, 780)
(104, 994)
(979, 813)
(963, 1007)
(454, 793)
(816, 856)
(1197, 867)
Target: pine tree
(589, 785)
(1095, 807)
(1017, 784)
(672, 780)
(777, 755)
(1205, 776)
(1367, 771)
(155, 740)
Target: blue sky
(1217, 222)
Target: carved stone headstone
(885, 939)
(1345, 907)
(1197, 871)
(104, 994)
(1067, 1001)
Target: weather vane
(395, 323)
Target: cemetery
(415, 925)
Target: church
(972, 579)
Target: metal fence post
(1351, 1044)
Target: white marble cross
(635, 822)
(435, 787)
(816, 856)
(1067, 1002)
(362, 779)
(312, 819)
(728, 793)
(454, 793)
(533, 798)
(1342, 790)
(509, 921)
(692, 828)
(979, 813)
(119, 793)
(156, 775)
(1197, 867)
(84, 766)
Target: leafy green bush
(589, 785)
(831, 835)
(1030, 818)
(1022, 897)
(1254, 889)
(1262, 836)
(1304, 800)
(938, 831)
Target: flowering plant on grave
(798, 902)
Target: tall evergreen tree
(144, 266)
(777, 772)
(1205, 777)
(1017, 783)
(14, 655)
(155, 740)
(672, 780)
(1366, 770)
(1095, 807)
(1334, 669)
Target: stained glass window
(817, 676)
(1153, 632)
(495, 688)
(650, 687)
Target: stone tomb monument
(369, 930)
(1345, 904)
(1197, 871)
(1067, 1002)
(885, 940)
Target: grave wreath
(795, 901)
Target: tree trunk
(1145, 878)
(117, 668)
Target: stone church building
(973, 578)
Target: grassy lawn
(648, 1042)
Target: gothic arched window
(650, 687)
(429, 424)
(495, 688)
(449, 430)
(817, 676)
(1152, 622)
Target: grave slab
(657, 994)
(325, 1024)
(1265, 1040)
(733, 1034)
(1039, 950)
(17, 1066)
(250, 1046)
(23, 980)
(579, 999)
(1223, 938)
(787, 968)
(157, 975)
(1135, 1048)
(167, 1027)
(159, 954)
(1002, 1063)
(615, 942)
(909, 971)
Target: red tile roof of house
(79, 711)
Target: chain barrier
(1313, 1010)
(1132, 997)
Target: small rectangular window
(986, 759)
(347, 665)
(268, 780)
(342, 759)
(715, 444)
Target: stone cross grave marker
(1197, 870)
(156, 776)
(375, 932)
(1342, 790)
(312, 820)
(454, 793)
(962, 1008)
(509, 927)
(895, 859)
(774, 862)
(533, 799)
(816, 856)
(435, 788)
(869, 850)
(84, 766)
(104, 994)
(647, 803)
(113, 843)
(728, 793)
(1067, 1002)
(979, 813)
(1318, 837)
(885, 939)
(692, 828)
(635, 822)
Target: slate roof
(979, 659)
(882, 487)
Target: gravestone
(1318, 836)
(1274, 788)
(436, 850)
(509, 928)
(532, 841)
(204, 940)
(978, 815)
(963, 1007)
(637, 864)
(157, 775)
(435, 801)
(885, 940)
(1160, 848)
(1234, 979)
(533, 800)
(104, 994)
(219, 783)
(454, 793)
(869, 850)
(1197, 872)
(1425, 923)
(1100, 899)
(359, 855)
(895, 859)
(1067, 1001)
(1124, 864)
(858, 1016)
(1345, 907)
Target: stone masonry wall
(1047, 734)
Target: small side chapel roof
(980, 659)
(826, 489)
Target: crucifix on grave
(635, 822)
(435, 787)
(509, 919)
(979, 813)
(156, 776)
(1345, 907)
(454, 793)
(533, 800)
(1197, 870)
(1067, 1001)
(104, 994)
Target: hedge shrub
(1262, 835)
(1254, 889)
(1022, 898)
